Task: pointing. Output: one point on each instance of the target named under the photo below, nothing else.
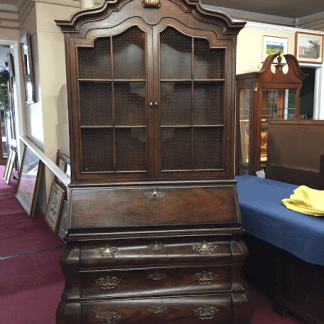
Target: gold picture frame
(309, 48)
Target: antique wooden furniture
(294, 152)
(286, 248)
(261, 96)
(154, 224)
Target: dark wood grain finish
(138, 206)
(132, 253)
(176, 310)
(295, 148)
(157, 281)
(191, 20)
(153, 221)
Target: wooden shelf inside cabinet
(261, 96)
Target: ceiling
(283, 8)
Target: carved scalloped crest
(189, 6)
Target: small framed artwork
(29, 180)
(54, 206)
(28, 73)
(309, 48)
(273, 45)
(9, 168)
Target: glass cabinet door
(276, 104)
(191, 87)
(244, 126)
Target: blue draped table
(265, 217)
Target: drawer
(150, 252)
(155, 281)
(189, 310)
(154, 206)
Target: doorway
(307, 93)
(5, 50)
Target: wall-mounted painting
(28, 182)
(28, 73)
(309, 48)
(273, 45)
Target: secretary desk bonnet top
(151, 91)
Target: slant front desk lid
(154, 206)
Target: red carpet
(31, 281)
(4, 188)
(19, 233)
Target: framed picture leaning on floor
(29, 178)
(54, 206)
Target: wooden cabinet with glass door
(152, 193)
(271, 93)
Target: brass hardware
(204, 248)
(107, 252)
(108, 282)
(156, 246)
(157, 276)
(206, 312)
(155, 105)
(155, 194)
(157, 309)
(109, 317)
(151, 3)
(205, 278)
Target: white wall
(52, 72)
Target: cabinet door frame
(228, 134)
(75, 112)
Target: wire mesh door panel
(192, 90)
(113, 103)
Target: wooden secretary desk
(154, 227)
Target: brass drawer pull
(157, 276)
(108, 282)
(156, 246)
(205, 278)
(107, 252)
(154, 194)
(206, 312)
(109, 317)
(157, 309)
(204, 248)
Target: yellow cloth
(307, 201)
